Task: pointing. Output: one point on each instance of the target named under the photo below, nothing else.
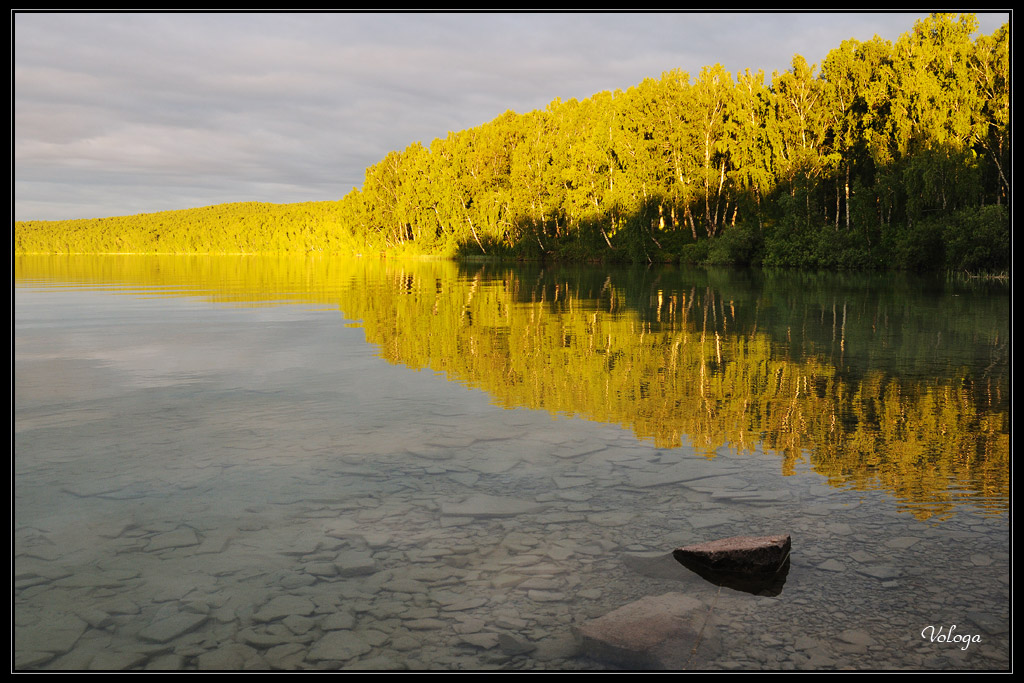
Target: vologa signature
(943, 636)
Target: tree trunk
(718, 198)
(757, 195)
(475, 236)
(693, 226)
(847, 188)
(837, 206)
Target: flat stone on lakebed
(481, 505)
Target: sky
(124, 113)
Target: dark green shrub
(978, 240)
(739, 245)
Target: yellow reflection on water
(686, 372)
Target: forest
(886, 155)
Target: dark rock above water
(741, 554)
(752, 564)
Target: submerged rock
(657, 565)
(657, 632)
(481, 505)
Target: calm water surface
(250, 463)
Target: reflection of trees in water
(854, 377)
(693, 365)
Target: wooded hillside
(885, 155)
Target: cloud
(123, 113)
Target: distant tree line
(238, 228)
(888, 155)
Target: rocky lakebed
(351, 514)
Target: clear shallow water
(203, 482)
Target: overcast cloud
(119, 114)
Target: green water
(444, 466)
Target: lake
(314, 463)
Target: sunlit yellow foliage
(243, 228)
(887, 156)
